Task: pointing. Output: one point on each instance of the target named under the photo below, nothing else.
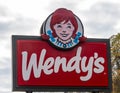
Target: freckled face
(64, 30)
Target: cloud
(4, 17)
(101, 19)
(11, 24)
(5, 75)
(19, 25)
(72, 5)
(15, 24)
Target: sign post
(28, 91)
(62, 59)
(95, 92)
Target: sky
(100, 18)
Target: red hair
(61, 15)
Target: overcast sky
(100, 18)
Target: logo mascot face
(63, 29)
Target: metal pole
(95, 92)
(28, 91)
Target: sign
(37, 66)
(62, 58)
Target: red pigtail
(45, 37)
(83, 39)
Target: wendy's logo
(63, 29)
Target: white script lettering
(79, 64)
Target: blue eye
(69, 27)
(59, 26)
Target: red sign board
(39, 66)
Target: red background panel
(62, 78)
